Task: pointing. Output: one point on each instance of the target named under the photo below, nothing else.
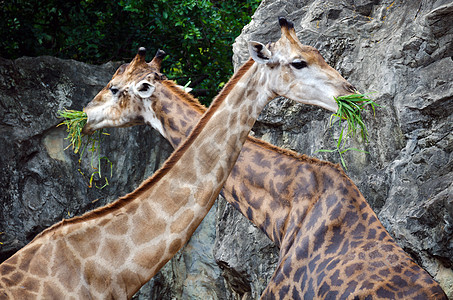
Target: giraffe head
(126, 99)
(297, 71)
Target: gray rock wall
(401, 51)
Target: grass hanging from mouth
(350, 108)
(75, 121)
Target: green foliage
(350, 108)
(197, 34)
(75, 121)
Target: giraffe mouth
(96, 119)
(91, 126)
(94, 124)
(86, 130)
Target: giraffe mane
(169, 163)
(186, 97)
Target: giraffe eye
(299, 64)
(114, 90)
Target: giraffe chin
(87, 131)
(330, 106)
(95, 122)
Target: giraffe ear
(259, 52)
(144, 89)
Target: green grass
(350, 109)
(75, 121)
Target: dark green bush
(197, 34)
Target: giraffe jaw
(323, 101)
(89, 129)
(96, 120)
(331, 106)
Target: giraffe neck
(258, 185)
(198, 169)
(118, 248)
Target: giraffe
(112, 251)
(332, 244)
